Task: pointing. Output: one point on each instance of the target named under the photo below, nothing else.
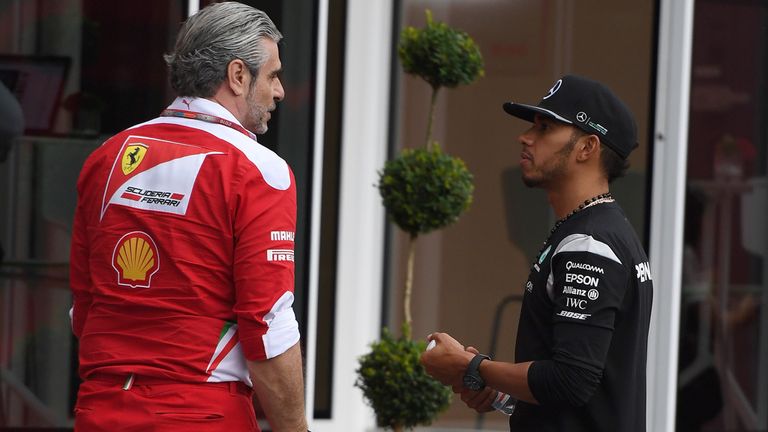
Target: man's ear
(588, 148)
(237, 77)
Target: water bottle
(504, 403)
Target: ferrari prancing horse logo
(132, 157)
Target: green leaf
(440, 55)
(396, 385)
(425, 189)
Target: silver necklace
(595, 200)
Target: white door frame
(360, 258)
(667, 207)
(316, 205)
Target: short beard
(256, 114)
(556, 171)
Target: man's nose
(279, 91)
(525, 138)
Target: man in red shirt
(182, 249)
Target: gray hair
(210, 39)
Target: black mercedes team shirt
(584, 324)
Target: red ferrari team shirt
(182, 250)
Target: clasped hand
(447, 362)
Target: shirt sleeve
(587, 287)
(264, 227)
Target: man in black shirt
(582, 337)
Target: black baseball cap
(588, 105)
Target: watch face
(472, 382)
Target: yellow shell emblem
(135, 259)
(132, 157)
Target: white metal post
(361, 217)
(316, 205)
(668, 206)
(192, 7)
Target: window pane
(723, 382)
(78, 70)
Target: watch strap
(472, 379)
(474, 364)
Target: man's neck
(228, 102)
(569, 195)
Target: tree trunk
(409, 287)
(431, 117)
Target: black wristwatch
(472, 378)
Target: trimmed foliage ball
(396, 385)
(425, 189)
(439, 54)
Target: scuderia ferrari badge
(132, 157)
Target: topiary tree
(423, 189)
(396, 385)
(441, 56)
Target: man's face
(547, 146)
(265, 91)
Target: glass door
(723, 381)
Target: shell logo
(135, 259)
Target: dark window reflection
(81, 70)
(76, 70)
(723, 381)
(123, 74)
